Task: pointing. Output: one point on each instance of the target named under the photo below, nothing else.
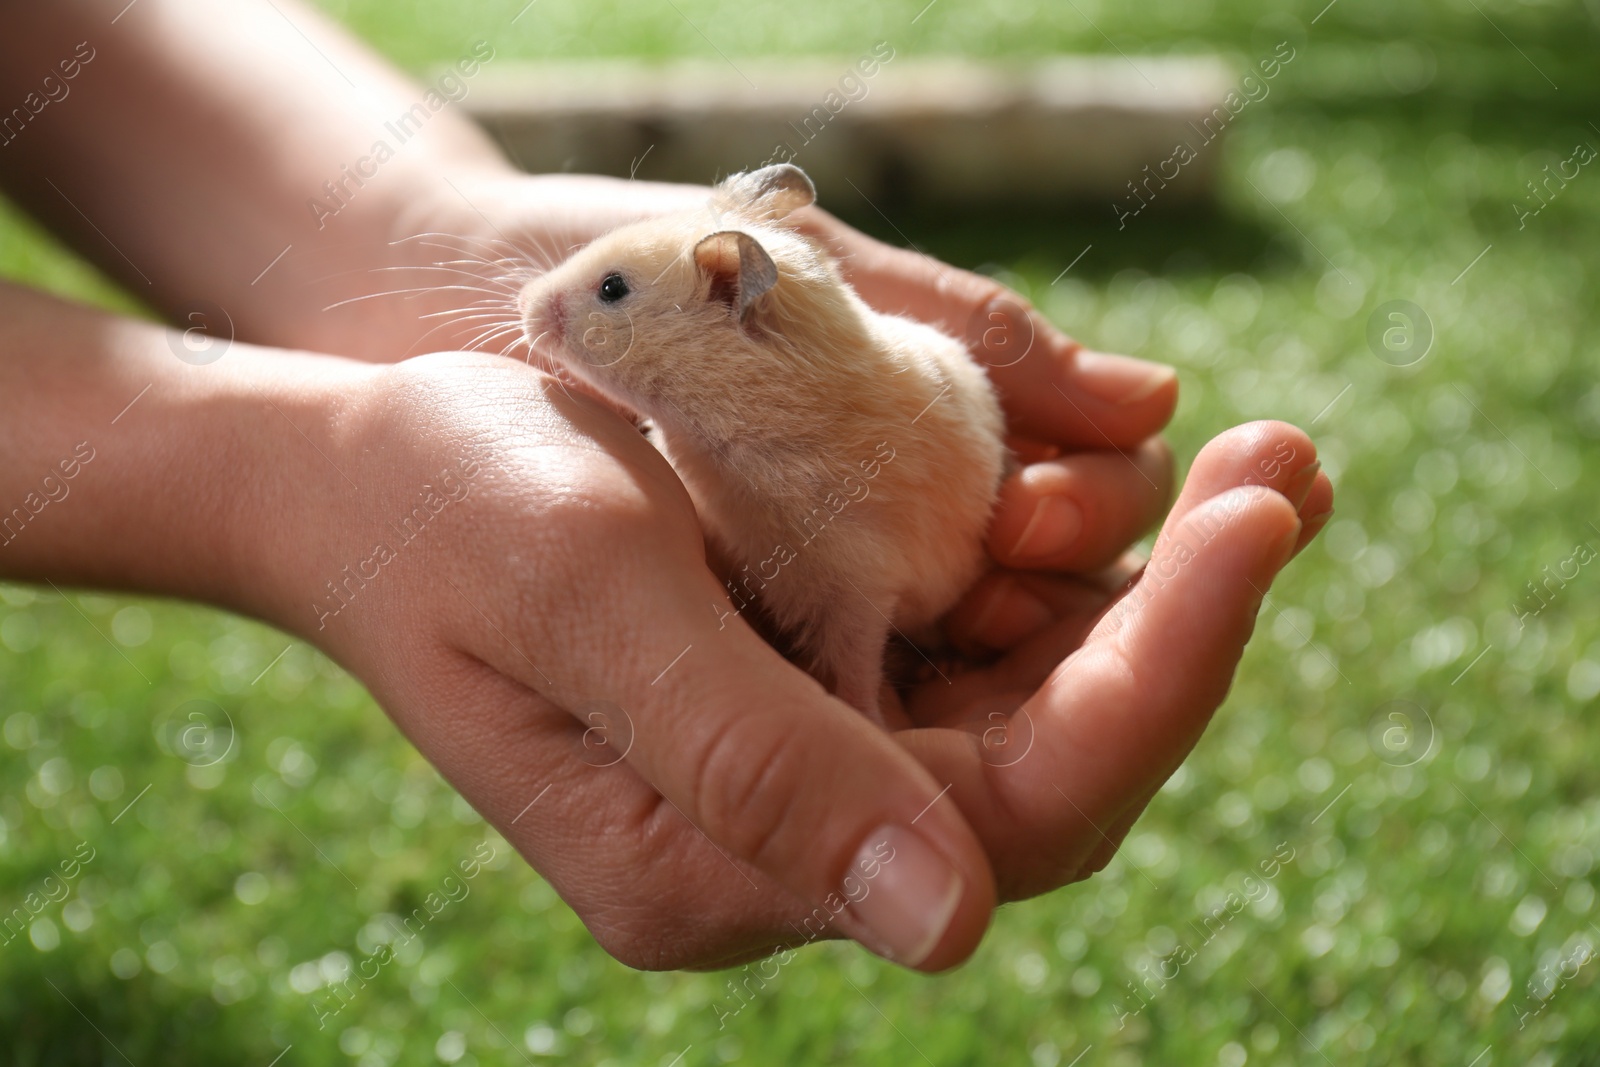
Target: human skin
(572, 571)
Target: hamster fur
(845, 461)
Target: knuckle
(1099, 861)
(642, 942)
(603, 516)
(983, 292)
(640, 903)
(744, 788)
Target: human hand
(497, 561)
(554, 594)
(1080, 723)
(492, 558)
(1112, 685)
(1112, 702)
(561, 597)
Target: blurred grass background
(1428, 762)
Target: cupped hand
(1055, 750)
(553, 641)
(1093, 477)
(548, 634)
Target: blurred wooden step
(927, 131)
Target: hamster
(846, 462)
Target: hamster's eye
(613, 288)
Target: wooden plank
(913, 130)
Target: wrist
(129, 468)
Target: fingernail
(1316, 522)
(1299, 486)
(1120, 380)
(999, 593)
(1275, 557)
(1010, 614)
(1052, 528)
(908, 903)
(1028, 451)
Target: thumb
(781, 776)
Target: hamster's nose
(543, 316)
(524, 303)
(554, 315)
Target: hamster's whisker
(416, 345)
(498, 280)
(492, 312)
(492, 337)
(476, 322)
(494, 274)
(500, 263)
(414, 291)
(479, 308)
(511, 270)
(490, 299)
(485, 319)
(482, 329)
(465, 289)
(493, 334)
(406, 292)
(555, 371)
(544, 246)
(520, 263)
(509, 274)
(490, 243)
(375, 296)
(548, 251)
(460, 318)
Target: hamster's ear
(771, 192)
(739, 268)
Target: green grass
(1421, 900)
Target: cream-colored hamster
(845, 461)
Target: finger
(1316, 511)
(746, 749)
(776, 773)
(1073, 606)
(1006, 607)
(1158, 665)
(1278, 455)
(1082, 511)
(1112, 841)
(1117, 717)
(1237, 522)
(802, 787)
(1001, 610)
(1052, 388)
(1275, 454)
